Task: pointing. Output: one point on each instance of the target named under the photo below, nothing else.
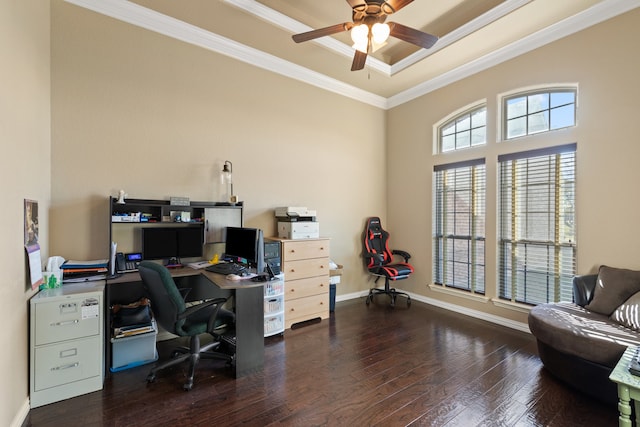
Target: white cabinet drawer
(64, 363)
(66, 319)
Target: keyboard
(226, 268)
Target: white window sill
(459, 293)
(510, 305)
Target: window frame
(475, 281)
(527, 94)
(455, 117)
(510, 279)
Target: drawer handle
(69, 366)
(65, 323)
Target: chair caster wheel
(187, 386)
(409, 303)
(151, 378)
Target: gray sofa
(581, 342)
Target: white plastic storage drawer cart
(274, 307)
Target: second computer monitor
(245, 245)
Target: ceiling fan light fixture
(360, 34)
(380, 33)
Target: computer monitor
(159, 243)
(190, 241)
(245, 245)
(172, 242)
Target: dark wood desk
(248, 304)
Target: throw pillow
(628, 314)
(613, 287)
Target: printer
(297, 223)
(294, 214)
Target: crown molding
(592, 16)
(137, 15)
(294, 27)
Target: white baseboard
(22, 414)
(520, 326)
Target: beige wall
(131, 109)
(600, 60)
(135, 110)
(25, 138)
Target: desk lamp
(227, 180)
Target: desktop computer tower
(272, 255)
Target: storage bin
(273, 288)
(132, 351)
(273, 324)
(274, 305)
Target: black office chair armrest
(403, 254)
(194, 308)
(583, 287)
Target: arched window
(468, 129)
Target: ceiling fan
(369, 31)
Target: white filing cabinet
(66, 342)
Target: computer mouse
(233, 277)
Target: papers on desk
(84, 271)
(200, 264)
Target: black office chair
(379, 260)
(170, 311)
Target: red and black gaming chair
(379, 261)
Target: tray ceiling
(473, 35)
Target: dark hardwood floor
(366, 366)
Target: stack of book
(84, 271)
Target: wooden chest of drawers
(305, 264)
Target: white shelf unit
(274, 307)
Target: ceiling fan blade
(321, 32)
(411, 35)
(359, 60)
(391, 6)
(358, 4)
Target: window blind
(537, 244)
(459, 225)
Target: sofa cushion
(628, 313)
(613, 287)
(571, 329)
